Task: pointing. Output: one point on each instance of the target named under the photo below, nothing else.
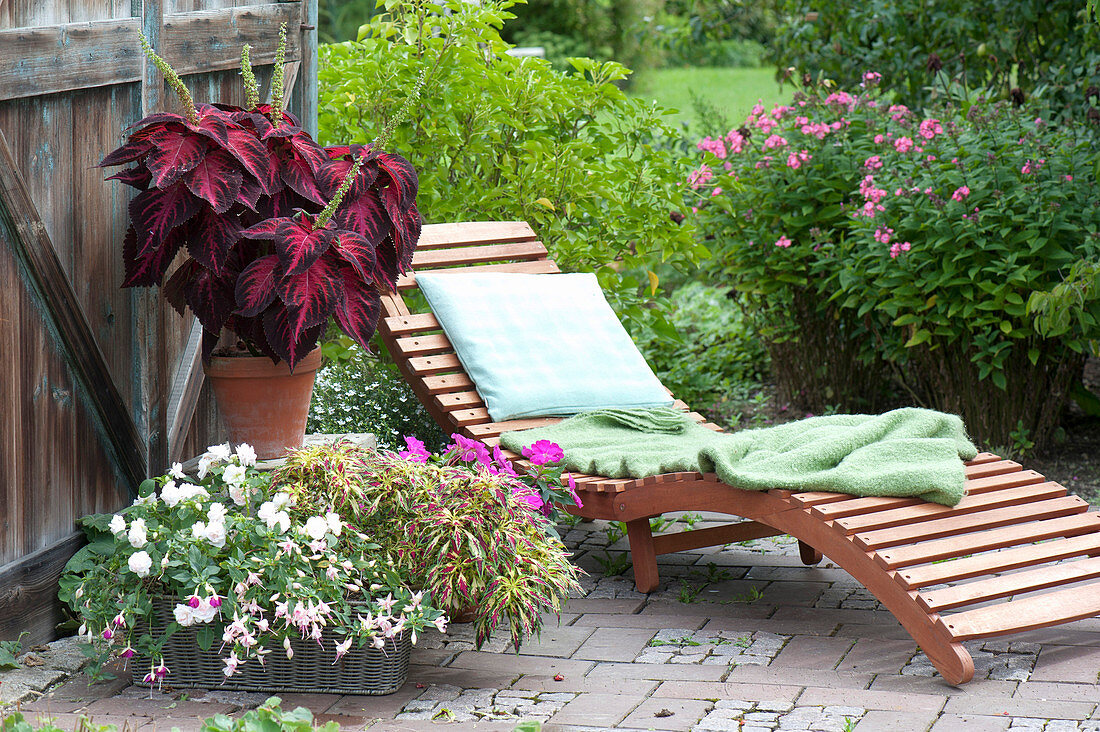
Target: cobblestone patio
(742, 637)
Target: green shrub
(362, 393)
(1034, 46)
(716, 355)
(919, 243)
(498, 137)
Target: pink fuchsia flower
(127, 652)
(342, 648)
(415, 451)
(108, 634)
(774, 141)
(929, 128)
(783, 242)
(903, 144)
(960, 193)
(870, 78)
(543, 452)
(194, 601)
(873, 163)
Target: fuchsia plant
(243, 191)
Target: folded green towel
(906, 452)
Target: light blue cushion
(540, 344)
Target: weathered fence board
(100, 386)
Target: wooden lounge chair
(1015, 538)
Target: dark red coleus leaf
(277, 331)
(213, 124)
(210, 239)
(173, 289)
(256, 285)
(266, 229)
(253, 156)
(298, 175)
(148, 125)
(357, 313)
(365, 215)
(156, 212)
(306, 149)
(400, 193)
(146, 270)
(356, 251)
(132, 149)
(312, 295)
(406, 233)
(174, 152)
(250, 192)
(137, 176)
(330, 177)
(296, 242)
(210, 298)
(216, 179)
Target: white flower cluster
(272, 513)
(197, 610)
(246, 457)
(213, 529)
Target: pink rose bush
(243, 563)
(903, 232)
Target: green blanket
(906, 452)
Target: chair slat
(447, 383)
(960, 546)
(816, 498)
(967, 523)
(860, 506)
(421, 345)
(407, 281)
(495, 429)
(983, 470)
(459, 400)
(972, 503)
(425, 259)
(1004, 560)
(437, 364)
(403, 325)
(972, 593)
(1004, 480)
(984, 457)
(468, 233)
(1028, 613)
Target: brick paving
(742, 638)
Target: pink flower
(1069, 179)
(716, 192)
(783, 242)
(735, 142)
(879, 139)
(774, 141)
(415, 451)
(903, 144)
(793, 161)
(929, 128)
(883, 235)
(543, 452)
(870, 78)
(1032, 167)
(960, 193)
(128, 652)
(108, 634)
(873, 163)
(530, 497)
(700, 176)
(898, 112)
(897, 249)
(469, 449)
(707, 144)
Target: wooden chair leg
(642, 555)
(808, 554)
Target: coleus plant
(279, 234)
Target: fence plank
(20, 224)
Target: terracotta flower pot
(262, 403)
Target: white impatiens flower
(316, 527)
(190, 490)
(220, 452)
(335, 525)
(198, 530)
(282, 518)
(281, 499)
(177, 471)
(171, 494)
(185, 614)
(117, 525)
(216, 513)
(246, 454)
(140, 563)
(238, 494)
(204, 465)
(215, 533)
(137, 535)
(234, 474)
(149, 500)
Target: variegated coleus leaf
(138, 176)
(210, 298)
(157, 212)
(147, 269)
(216, 179)
(310, 296)
(365, 215)
(279, 335)
(297, 174)
(357, 312)
(211, 238)
(176, 150)
(255, 289)
(297, 243)
(400, 192)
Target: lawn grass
(731, 91)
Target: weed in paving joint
(613, 564)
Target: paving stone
(970, 723)
(131, 706)
(586, 684)
(770, 625)
(938, 687)
(799, 677)
(792, 593)
(656, 672)
(507, 665)
(812, 652)
(1067, 663)
(615, 644)
(655, 621)
(618, 607)
(999, 706)
(877, 720)
(870, 699)
(1058, 691)
(706, 609)
(667, 714)
(372, 707)
(72, 721)
(719, 690)
(596, 709)
(559, 642)
(878, 656)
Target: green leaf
(921, 336)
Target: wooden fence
(100, 387)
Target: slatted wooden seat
(1016, 554)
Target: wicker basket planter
(366, 670)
